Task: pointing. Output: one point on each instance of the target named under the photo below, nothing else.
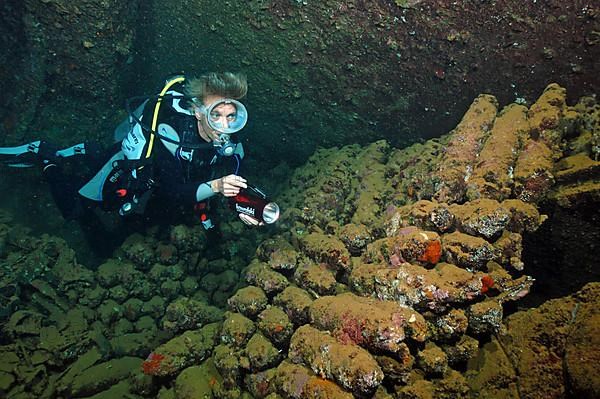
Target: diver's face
(221, 115)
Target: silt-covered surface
(418, 299)
(321, 73)
(414, 260)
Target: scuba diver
(176, 149)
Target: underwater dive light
(253, 202)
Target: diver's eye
(231, 117)
(215, 116)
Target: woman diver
(177, 149)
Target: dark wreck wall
(321, 73)
(332, 72)
(64, 64)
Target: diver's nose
(224, 122)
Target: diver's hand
(229, 185)
(249, 220)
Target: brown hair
(226, 84)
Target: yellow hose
(157, 108)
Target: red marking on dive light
(121, 192)
(203, 217)
(252, 202)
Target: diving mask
(225, 116)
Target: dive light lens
(270, 213)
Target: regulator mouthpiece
(224, 146)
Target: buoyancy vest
(165, 122)
(127, 180)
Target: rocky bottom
(393, 273)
